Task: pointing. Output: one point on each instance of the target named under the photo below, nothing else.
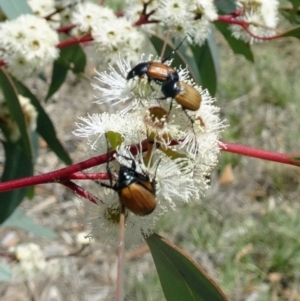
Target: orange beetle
(186, 95)
(157, 71)
(135, 190)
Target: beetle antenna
(173, 52)
(165, 44)
(157, 167)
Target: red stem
(60, 10)
(70, 172)
(230, 20)
(144, 20)
(64, 174)
(81, 192)
(66, 28)
(48, 17)
(54, 176)
(74, 41)
(88, 176)
(291, 159)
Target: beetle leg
(171, 105)
(192, 122)
(189, 117)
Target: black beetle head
(139, 70)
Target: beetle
(185, 95)
(136, 191)
(156, 71)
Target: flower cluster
(66, 8)
(184, 18)
(188, 18)
(111, 34)
(29, 113)
(114, 34)
(261, 16)
(27, 45)
(182, 145)
(44, 8)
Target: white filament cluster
(27, 45)
(179, 170)
(261, 16)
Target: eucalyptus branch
(81, 191)
(245, 25)
(291, 159)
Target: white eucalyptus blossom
(207, 127)
(27, 45)
(66, 8)
(182, 145)
(88, 15)
(262, 17)
(134, 9)
(187, 18)
(44, 8)
(115, 89)
(95, 126)
(111, 34)
(118, 36)
(103, 220)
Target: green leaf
(19, 161)
(238, 46)
(292, 15)
(295, 3)
(115, 139)
(20, 220)
(14, 8)
(294, 32)
(77, 58)
(15, 110)
(207, 60)
(181, 278)
(172, 154)
(59, 74)
(183, 56)
(296, 159)
(225, 6)
(17, 165)
(44, 125)
(70, 58)
(34, 138)
(5, 272)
